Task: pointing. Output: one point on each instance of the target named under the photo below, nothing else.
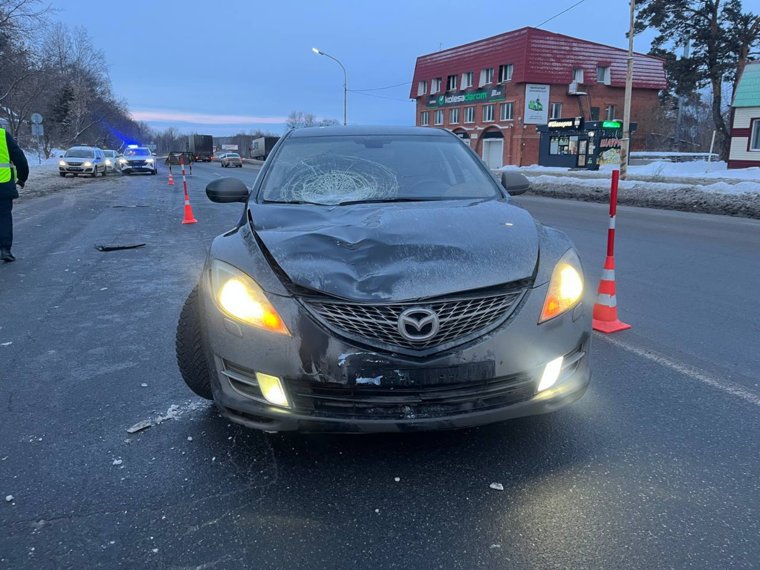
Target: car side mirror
(514, 182)
(226, 190)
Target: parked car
(82, 160)
(137, 159)
(111, 157)
(381, 279)
(232, 159)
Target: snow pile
(604, 183)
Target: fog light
(550, 375)
(271, 389)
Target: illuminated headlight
(565, 287)
(87, 164)
(241, 298)
(149, 160)
(62, 163)
(108, 162)
(550, 374)
(122, 161)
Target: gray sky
(219, 67)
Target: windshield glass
(137, 152)
(233, 155)
(79, 153)
(343, 169)
(109, 153)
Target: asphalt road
(657, 466)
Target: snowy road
(657, 466)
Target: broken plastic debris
(397, 479)
(155, 551)
(139, 426)
(143, 385)
(189, 438)
(116, 247)
(497, 486)
(117, 462)
(377, 510)
(6, 343)
(8, 498)
(495, 546)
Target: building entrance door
(493, 153)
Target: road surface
(657, 466)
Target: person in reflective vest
(14, 170)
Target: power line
(381, 96)
(382, 88)
(562, 12)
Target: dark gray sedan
(381, 279)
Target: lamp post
(345, 81)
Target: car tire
(191, 357)
(62, 174)
(155, 171)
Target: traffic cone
(189, 218)
(171, 179)
(605, 317)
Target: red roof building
(495, 92)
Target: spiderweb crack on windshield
(331, 179)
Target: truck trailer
(201, 147)
(262, 146)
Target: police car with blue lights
(137, 158)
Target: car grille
(393, 402)
(136, 163)
(375, 323)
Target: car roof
(82, 147)
(367, 130)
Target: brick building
(495, 92)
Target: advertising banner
(536, 104)
(467, 97)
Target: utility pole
(625, 145)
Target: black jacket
(8, 190)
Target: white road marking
(686, 370)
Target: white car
(111, 160)
(82, 160)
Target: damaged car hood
(399, 251)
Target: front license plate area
(388, 376)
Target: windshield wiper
(294, 202)
(381, 200)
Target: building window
(578, 75)
(454, 116)
(439, 117)
(603, 75)
(609, 113)
(451, 83)
(487, 113)
(505, 73)
(563, 145)
(425, 118)
(556, 111)
(754, 135)
(435, 86)
(421, 88)
(486, 76)
(505, 112)
(594, 113)
(467, 80)
(469, 114)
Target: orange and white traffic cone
(605, 318)
(189, 218)
(171, 179)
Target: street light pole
(345, 82)
(625, 145)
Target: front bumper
(336, 385)
(76, 169)
(137, 167)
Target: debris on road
(6, 343)
(117, 247)
(189, 438)
(497, 486)
(139, 426)
(8, 498)
(172, 413)
(117, 462)
(143, 385)
(397, 479)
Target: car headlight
(149, 160)
(62, 163)
(241, 298)
(87, 164)
(108, 162)
(565, 288)
(122, 161)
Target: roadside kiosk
(576, 143)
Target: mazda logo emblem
(418, 324)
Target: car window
(137, 152)
(334, 170)
(79, 153)
(233, 155)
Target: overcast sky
(221, 66)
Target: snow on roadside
(604, 183)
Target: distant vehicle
(137, 159)
(82, 160)
(262, 146)
(111, 157)
(232, 159)
(201, 146)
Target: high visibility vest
(7, 172)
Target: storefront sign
(468, 97)
(536, 104)
(575, 124)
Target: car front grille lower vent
(458, 319)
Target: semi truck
(262, 146)
(201, 147)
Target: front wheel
(191, 357)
